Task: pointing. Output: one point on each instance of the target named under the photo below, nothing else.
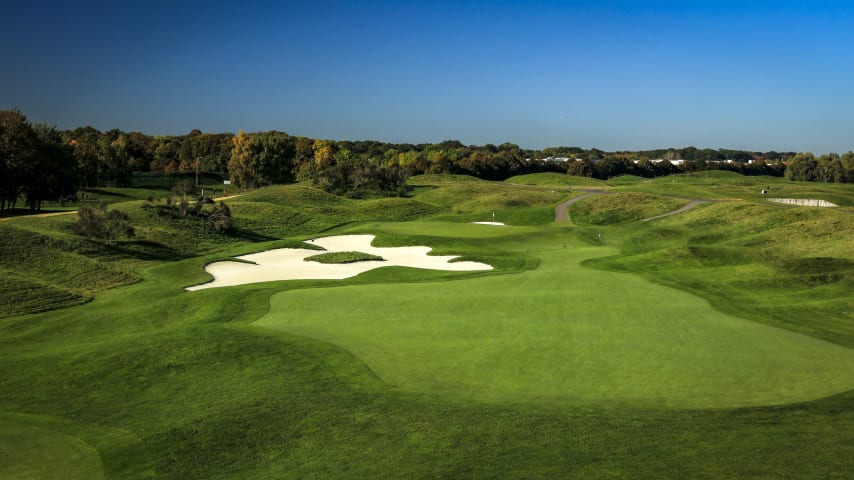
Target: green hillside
(714, 343)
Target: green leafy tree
(847, 161)
(18, 148)
(803, 167)
(51, 175)
(830, 168)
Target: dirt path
(684, 208)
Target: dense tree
(581, 168)
(830, 168)
(362, 178)
(848, 167)
(18, 145)
(51, 175)
(84, 142)
(260, 159)
(802, 166)
(352, 167)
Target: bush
(99, 223)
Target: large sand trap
(288, 263)
(804, 202)
(497, 224)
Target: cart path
(69, 212)
(684, 208)
(562, 210)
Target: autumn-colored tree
(324, 154)
(261, 159)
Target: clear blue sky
(756, 75)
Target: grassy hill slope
(146, 380)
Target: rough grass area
(41, 272)
(301, 210)
(21, 296)
(343, 257)
(554, 179)
(440, 179)
(621, 208)
(484, 197)
(791, 268)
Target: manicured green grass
(549, 335)
(42, 453)
(164, 383)
(343, 257)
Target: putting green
(28, 451)
(565, 334)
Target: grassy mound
(790, 268)
(621, 208)
(484, 197)
(548, 179)
(440, 179)
(343, 257)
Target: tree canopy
(40, 163)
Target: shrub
(97, 222)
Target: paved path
(561, 211)
(54, 214)
(38, 215)
(688, 206)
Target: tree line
(39, 162)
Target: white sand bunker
(289, 263)
(804, 202)
(490, 223)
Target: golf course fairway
(563, 333)
(46, 454)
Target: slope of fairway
(564, 333)
(28, 451)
